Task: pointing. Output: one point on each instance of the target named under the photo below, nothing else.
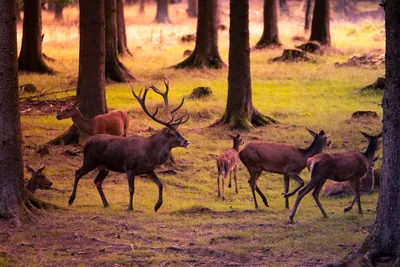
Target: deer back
(273, 157)
(337, 189)
(113, 123)
(227, 160)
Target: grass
(193, 227)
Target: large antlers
(172, 122)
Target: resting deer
(227, 162)
(346, 166)
(114, 123)
(339, 189)
(38, 180)
(282, 159)
(133, 155)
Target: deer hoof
(223, 198)
(291, 221)
(347, 209)
(70, 201)
(229, 185)
(157, 206)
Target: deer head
(169, 134)
(320, 138)
(237, 141)
(68, 112)
(38, 180)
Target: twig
(44, 94)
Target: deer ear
(30, 169)
(231, 136)
(365, 135)
(379, 135)
(41, 169)
(321, 133)
(311, 132)
(375, 159)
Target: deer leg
(78, 174)
(218, 179)
(300, 196)
(223, 185)
(298, 179)
(356, 187)
(315, 194)
(98, 182)
(234, 176)
(157, 181)
(252, 182)
(230, 180)
(264, 199)
(286, 179)
(131, 182)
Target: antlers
(172, 121)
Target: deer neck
(314, 149)
(82, 123)
(32, 186)
(370, 152)
(159, 147)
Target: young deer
(282, 159)
(340, 189)
(227, 162)
(38, 180)
(346, 166)
(133, 155)
(114, 123)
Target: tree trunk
(240, 113)
(131, 2)
(58, 11)
(205, 53)
(307, 15)
(320, 30)
(141, 7)
(121, 29)
(283, 6)
(340, 6)
(192, 8)
(270, 36)
(30, 59)
(162, 12)
(115, 70)
(11, 163)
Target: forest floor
(194, 227)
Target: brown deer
(133, 155)
(282, 159)
(339, 167)
(38, 180)
(114, 123)
(227, 162)
(340, 189)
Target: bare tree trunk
(131, 2)
(11, 162)
(307, 15)
(340, 6)
(121, 29)
(320, 28)
(192, 8)
(240, 113)
(205, 53)
(270, 36)
(162, 12)
(283, 6)
(30, 59)
(141, 7)
(58, 11)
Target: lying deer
(282, 159)
(114, 123)
(133, 155)
(346, 166)
(227, 162)
(340, 189)
(38, 180)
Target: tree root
(70, 136)
(263, 44)
(195, 60)
(117, 72)
(242, 122)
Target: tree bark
(307, 15)
(270, 36)
(30, 58)
(192, 8)
(131, 2)
(58, 11)
(340, 6)
(141, 7)
(205, 53)
(115, 70)
(121, 29)
(283, 6)
(320, 29)
(240, 113)
(162, 12)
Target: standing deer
(282, 159)
(227, 162)
(38, 180)
(133, 155)
(339, 189)
(345, 166)
(114, 123)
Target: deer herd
(110, 149)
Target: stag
(339, 167)
(282, 159)
(38, 180)
(133, 155)
(227, 162)
(114, 123)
